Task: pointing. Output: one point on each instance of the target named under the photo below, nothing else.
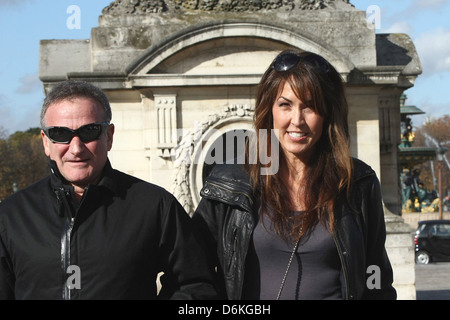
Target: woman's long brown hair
(329, 173)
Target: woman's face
(297, 126)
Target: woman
(315, 228)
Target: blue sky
(24, 23)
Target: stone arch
(159, 52)
(155, 68)
(189, 155)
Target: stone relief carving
(183, 153)
(135, 7)
(122, 7)
(166, 122)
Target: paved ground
(433, 281)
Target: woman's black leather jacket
(228, 212)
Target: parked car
(432, 241)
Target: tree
(22, 161)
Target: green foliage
(22, 160)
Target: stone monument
(180, 74)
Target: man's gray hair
(71, 89)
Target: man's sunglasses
(288, 60)
(86, 133)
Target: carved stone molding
(183, 154)
(127, 7)
(135, 7)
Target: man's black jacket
(111, 245)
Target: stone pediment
(137, 7)
(179, 42)
(132, 33)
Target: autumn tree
(22, 160)
(4, 166)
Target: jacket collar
(361, 170)
(107, 180)
(231, 182)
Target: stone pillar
(399, 246)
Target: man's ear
(110, 134)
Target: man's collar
(107, 180)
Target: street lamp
(440, 158)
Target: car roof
(434, 221)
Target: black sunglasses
(288, 60)
(86, 133)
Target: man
(91, 232)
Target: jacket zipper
(344, 269)
(65, 255)
(65, 242)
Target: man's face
(80, 163)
